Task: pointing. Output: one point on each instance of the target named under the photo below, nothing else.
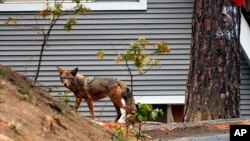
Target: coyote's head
(67, 76)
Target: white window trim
(160, 99)
(245, 36)
(94, 6)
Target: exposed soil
(29, 113)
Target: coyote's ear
(74, 71)
(60, 70)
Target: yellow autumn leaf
(118, 58)
(10, 20)
(100, 54)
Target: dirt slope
(28, 113)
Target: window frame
(94, 6)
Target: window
(35, 5)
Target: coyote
(95, 88)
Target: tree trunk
(213, 86)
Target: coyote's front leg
(91, 108)
(77, 103)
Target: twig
(45, 40)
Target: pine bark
(213, 86)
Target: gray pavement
(214, 137)
(209, 136)
(192, 124)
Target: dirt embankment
(29, 113)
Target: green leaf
(141, 118)
(69, 24)
(68, 27)
(145, 112)
(80, 9)
(153, 115)
(100, 54)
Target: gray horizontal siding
(245, 88)
(166, 20)
(112, 31)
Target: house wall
(112, 31)
(245, 88)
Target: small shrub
(65, 96)
(25, 93)
(144, 113)
(5, 74)
(119, 133)
(14, 125)
(2, 73)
